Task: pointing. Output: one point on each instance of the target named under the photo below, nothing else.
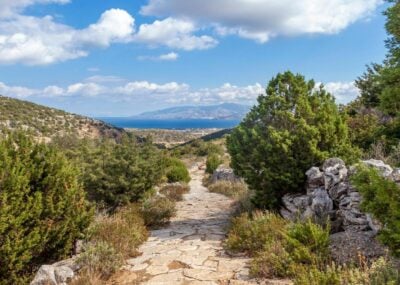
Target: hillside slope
(46, 123)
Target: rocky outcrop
(330, 196)
(60, 273)
(223, 173)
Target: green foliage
(117, 174)
(157, 211)
(292, 128)
(381, 198)
(176, 171)
(124, 231)
(212, 163)
(250, 233)
(43, 207)
(100, 258)
(280, 249)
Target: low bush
(300, 251)
(381, 198)
(174, 192)
(157, 211)
(250, 233)
(100, 258)
(124, 231)
(212, 163)
(176, 171)
(231, 189)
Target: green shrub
(124, 231)
(381, 198)
(43, 208)
(212, 163)
(308, 243)
(118, 174)
(157, 211)
(293, 127)
(176, 171)
(100, 258)
(174, 192)
(234, 190)
(251, 233)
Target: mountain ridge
(225, 111)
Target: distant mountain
(213, 112)
(46, 123)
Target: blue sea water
(169, 124)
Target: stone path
(189, 250)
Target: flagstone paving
(190, 250)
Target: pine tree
(294, 126)
(43, 207)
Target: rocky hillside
(46, 123)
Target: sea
(170, 124)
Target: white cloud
(108, 88)
(39, 41)
(344, 92)
(262, 19)
(172, 56)
(174, 33)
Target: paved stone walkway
(189, 250)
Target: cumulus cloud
(344, 92)
(262, 19)
(172, 56)
(174, 33)
(112, 88)
(39, 41)
(166, 93)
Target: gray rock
(63, 275)
(395, 176)
(321, 204)
(336, 192)
(295, 206)
(334, 175)
(383, 168)
(332, 162)
(60, 273)
(315, 179)
(224, 174)
(45, 276)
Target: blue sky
(119, 58)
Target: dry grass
(124, 231)
(231, 189)
(157, 211)
(175, 192)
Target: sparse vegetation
(299, 251)
(234, 190)
(174, 192)
(157, 211)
